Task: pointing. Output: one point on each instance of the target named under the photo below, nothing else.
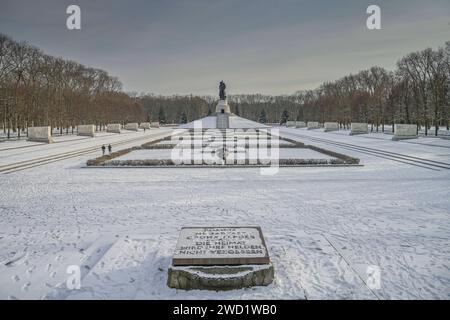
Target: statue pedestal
(223, 107)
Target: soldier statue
(222, 87)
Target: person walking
(109, 149)
(103, 149)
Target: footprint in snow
(26, 286)
(16, 278)
(30, 270)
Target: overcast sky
(255, 46)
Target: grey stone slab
(220, 246)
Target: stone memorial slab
(359, 128)
(220, 246)
(132, 126)
(290, 123)
(145, 125)
(40, 134)
(114, 127)
(404, 131)
(331, 126)
(313, 125)
(86, 130)
(220, 258)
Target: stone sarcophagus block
(114, 127)
(359, 128)
(86, 130)
(154, 124)
(300, 124)
(40, 134)
(404, 131)
(331, 126)
(313, 125)
(145, 125)
(132, 126)
(292, 124)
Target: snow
(323, 226)
(13, 153)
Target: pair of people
(104, 148)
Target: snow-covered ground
(323, 226)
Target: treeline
(180, 109)
(177, 109)
(418, 92)
(38, 89)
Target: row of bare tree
(39, 89)
(418, 92)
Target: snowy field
(323, 226)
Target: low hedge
(343, 157)
(169, 163)
(100, 161)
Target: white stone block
(154, 124)
(291, 124)
(114, 127)
(86, 130)
(404, 131)
(300, 124)
(40, 134)
(145, 125)
(132, 126)
(359, 128)
(313, 125)
(331, 126)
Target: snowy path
(13, 154)
(428, 148)
(323, 226)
